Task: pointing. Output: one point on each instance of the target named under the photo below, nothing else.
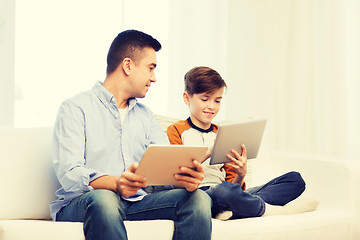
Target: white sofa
(27, 185)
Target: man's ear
(186, 98)
(127, 66)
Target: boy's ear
(126, 65)
(186, 98)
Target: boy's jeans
(251, 203)
(103, 213)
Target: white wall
(7, 50)
(61, 49)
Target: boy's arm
(231, 175)
(174, 135)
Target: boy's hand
(239, 163)
(129, 182)
(191, 178)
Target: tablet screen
(233, 135)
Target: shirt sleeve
(231, 174)
(158, 136)
(69, 150)
(174, 135)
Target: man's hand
(129, 183)
(191, 178)
(239, 163)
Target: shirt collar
(107, 98)
(200, 129)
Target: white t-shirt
(123, 114)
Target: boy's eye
(204, 99)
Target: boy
(224, 183)
(100, 136)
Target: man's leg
(190, 211)
(102, 213)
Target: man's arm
(127, 184)
(69, 150)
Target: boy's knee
(297, 180)
(296, 176)
(221, 191)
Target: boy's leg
(280, 190)
(230, 197)
(102, 213)
(190, 211)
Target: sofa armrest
(334, 182)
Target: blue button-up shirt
(89, 141)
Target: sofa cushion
(26, 177)
(330, 224)
(44, 230)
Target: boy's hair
(129, 44)
(203, 80)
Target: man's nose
(153, 77)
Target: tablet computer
(161, 162)
(233, 135)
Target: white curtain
(298, 63)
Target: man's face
(204, 107)
(143, 73)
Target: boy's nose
(211, 105)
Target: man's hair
(203, 80)
(129, 44)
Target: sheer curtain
(296, 62)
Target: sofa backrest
(27, 180)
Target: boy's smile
(203, 107)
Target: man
(99, 138)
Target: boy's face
(203, 107)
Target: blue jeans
(251, 203)
(103, 213)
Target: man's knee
(198, 201)
(105, 203)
